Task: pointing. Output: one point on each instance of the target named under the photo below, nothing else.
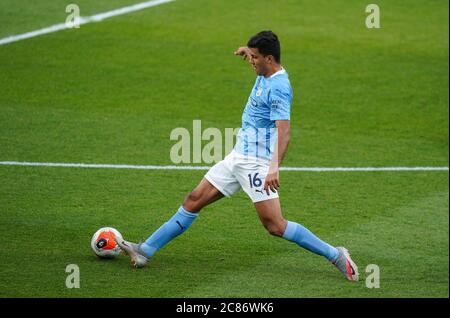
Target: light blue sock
(168, 231)
(305, 238)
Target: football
(104, 242)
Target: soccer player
(253, 165)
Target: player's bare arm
(244, 52)
(272, 180)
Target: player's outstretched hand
(243, 51)
(272, 181)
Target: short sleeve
(280, 99)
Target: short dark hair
(267, 44)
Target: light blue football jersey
(270, 100)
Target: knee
(276, 228)
(193, 197)
(191, 202)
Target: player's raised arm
(245, 52)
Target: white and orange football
(104, 242)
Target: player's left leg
(204, 194)
(218, 182)
(269, 212)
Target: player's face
(259, 62)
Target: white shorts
(237, 171)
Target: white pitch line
(104, 166)
(83, 20)
(318, 169)
(154, 167)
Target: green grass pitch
(112, 92)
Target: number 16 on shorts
(255, 189)
(254, 181)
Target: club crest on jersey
(259, 91)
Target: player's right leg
(269, 212)
(251, 176)
(204, 194)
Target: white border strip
(84, 20)
(153, 167)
